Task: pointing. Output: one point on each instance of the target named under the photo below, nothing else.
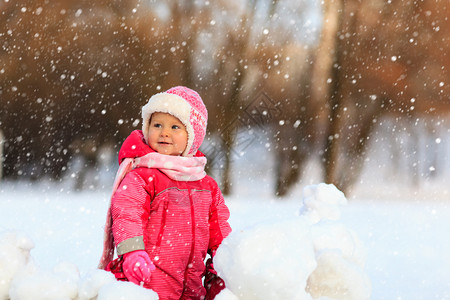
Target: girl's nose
(164, 132)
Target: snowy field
(403, 229)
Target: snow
(388, 240)
(303, 256)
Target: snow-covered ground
(403, 230)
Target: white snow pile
(311, 256)
(22, 279)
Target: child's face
(166, 134)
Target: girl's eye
(157, 125)
(175, 127)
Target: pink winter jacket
(176, 222)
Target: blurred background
(325, 81)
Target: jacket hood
(136, 146)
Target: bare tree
(328, 68)
(379, 70)
(69, 69)
(227, 81)
(252, 61)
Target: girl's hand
(138, 267)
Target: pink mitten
(137, 266)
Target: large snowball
(268, 261)
(313, 256)
(14, 256)
(90, 284)
(124, 290)
(33, 283)
(337, 278)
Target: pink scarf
(178, 168)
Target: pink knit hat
(187, 106)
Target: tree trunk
(2, 143)
(230, 133)
(325, 54)
(334, 18)
(358, 151)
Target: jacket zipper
(163, 224)
(191, 255)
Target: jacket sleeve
(219, 229)
(218, 220)
(130, 211)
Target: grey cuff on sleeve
(132, 244)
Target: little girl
(166, 214)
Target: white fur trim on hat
(171, 104)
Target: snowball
(90, 284)
(14, 255)
(124, 290)
(268, 261)
(322, 201)
(22, 279)
(337, 278)
(334, 235)
(313, 256)
(33, 283)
